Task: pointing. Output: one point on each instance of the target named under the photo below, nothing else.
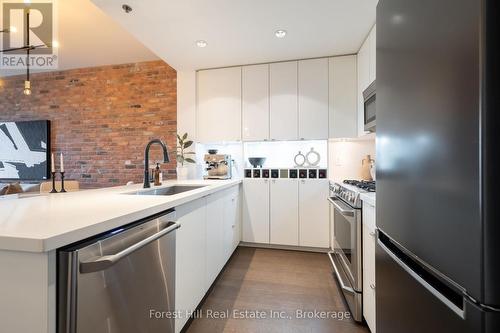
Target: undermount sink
(172, 190)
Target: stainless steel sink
(172, 190)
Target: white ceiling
(88, 37)
(242, 31)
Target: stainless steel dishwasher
(120, 282)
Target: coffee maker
(218, 166)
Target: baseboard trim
(285, 247)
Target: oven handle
(342, 284)
(343, 210)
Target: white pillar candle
(52, 164)
(62, 163)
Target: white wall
(186, 109)
(345, 157)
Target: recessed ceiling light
(126, 8)
(201, 43)
(280, 33)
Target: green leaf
(190, 160)
(188, 144)
(184, 137)
(180, 159)
(189, 153)
(179, 138)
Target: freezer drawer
(120, 282)
(409, 301)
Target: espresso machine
(218, 166)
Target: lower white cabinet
(215, 252)
(256, 211)
(314, 227)
(284, 211)
(190, 264)
(369, 240)
(232, 222)
(209, 233)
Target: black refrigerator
(438, 166)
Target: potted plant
(183, 156)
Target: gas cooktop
(366, 185)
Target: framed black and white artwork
(25, 150)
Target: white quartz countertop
(369, 198)
(47, 222)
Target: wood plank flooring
(275, 280)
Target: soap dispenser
(157, 175)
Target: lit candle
(52, 163)
(62, 163)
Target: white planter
(182, 172)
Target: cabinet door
(313, 98)
(215, 237)
(219, 105)
(256, 210)
(255, 108)
(231, 222)
(343, 103)
(283, 102)
(314, 227)
(373, 54)
(284, 194)
(363, 82)
(190, 263)
(369, 286)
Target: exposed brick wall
(101, 117)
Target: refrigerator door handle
(339, 278)
(104, 262)
(445, 300)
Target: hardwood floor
(275, 280)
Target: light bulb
(201, 43)
(55, 44)
(280, 33)
(13, 29)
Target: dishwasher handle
(104, 262)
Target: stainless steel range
(346, 254)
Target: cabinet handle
(372, 286)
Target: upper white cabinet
(219, 105)
(313, 98)
(343, 97)
(283, 101)
(314, 227)
(255, 107)
(284, 212)
(373, 53)
(366, 74)
(255, 210)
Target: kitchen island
(33, 228)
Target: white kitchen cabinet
(255, 106)
(343, 97)
(232, 229)
(190, 263)
(314, 227)
(373, 54)
(369, 286)
(219, 105)
(313, 98)
(215, 252)
(363, 60)
(256, 211)
(284, 212)
(283, 101)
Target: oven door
(347, 240)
